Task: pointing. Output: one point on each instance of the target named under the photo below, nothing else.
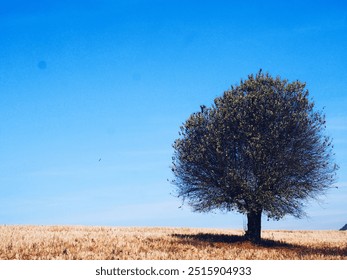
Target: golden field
(135, 243)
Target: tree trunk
(253, 232)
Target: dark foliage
(259, 149)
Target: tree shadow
(230, 239)
(210, 239)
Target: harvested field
(135, 243)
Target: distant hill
(344, 227)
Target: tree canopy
(259, 149)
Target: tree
(259, 149)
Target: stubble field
(134, 243)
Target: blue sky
(82, 81)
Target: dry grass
(131, 243)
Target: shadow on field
(230, 239)
(208, 239)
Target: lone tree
(259, 149)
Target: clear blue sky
(87, 80)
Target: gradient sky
(92, 94)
